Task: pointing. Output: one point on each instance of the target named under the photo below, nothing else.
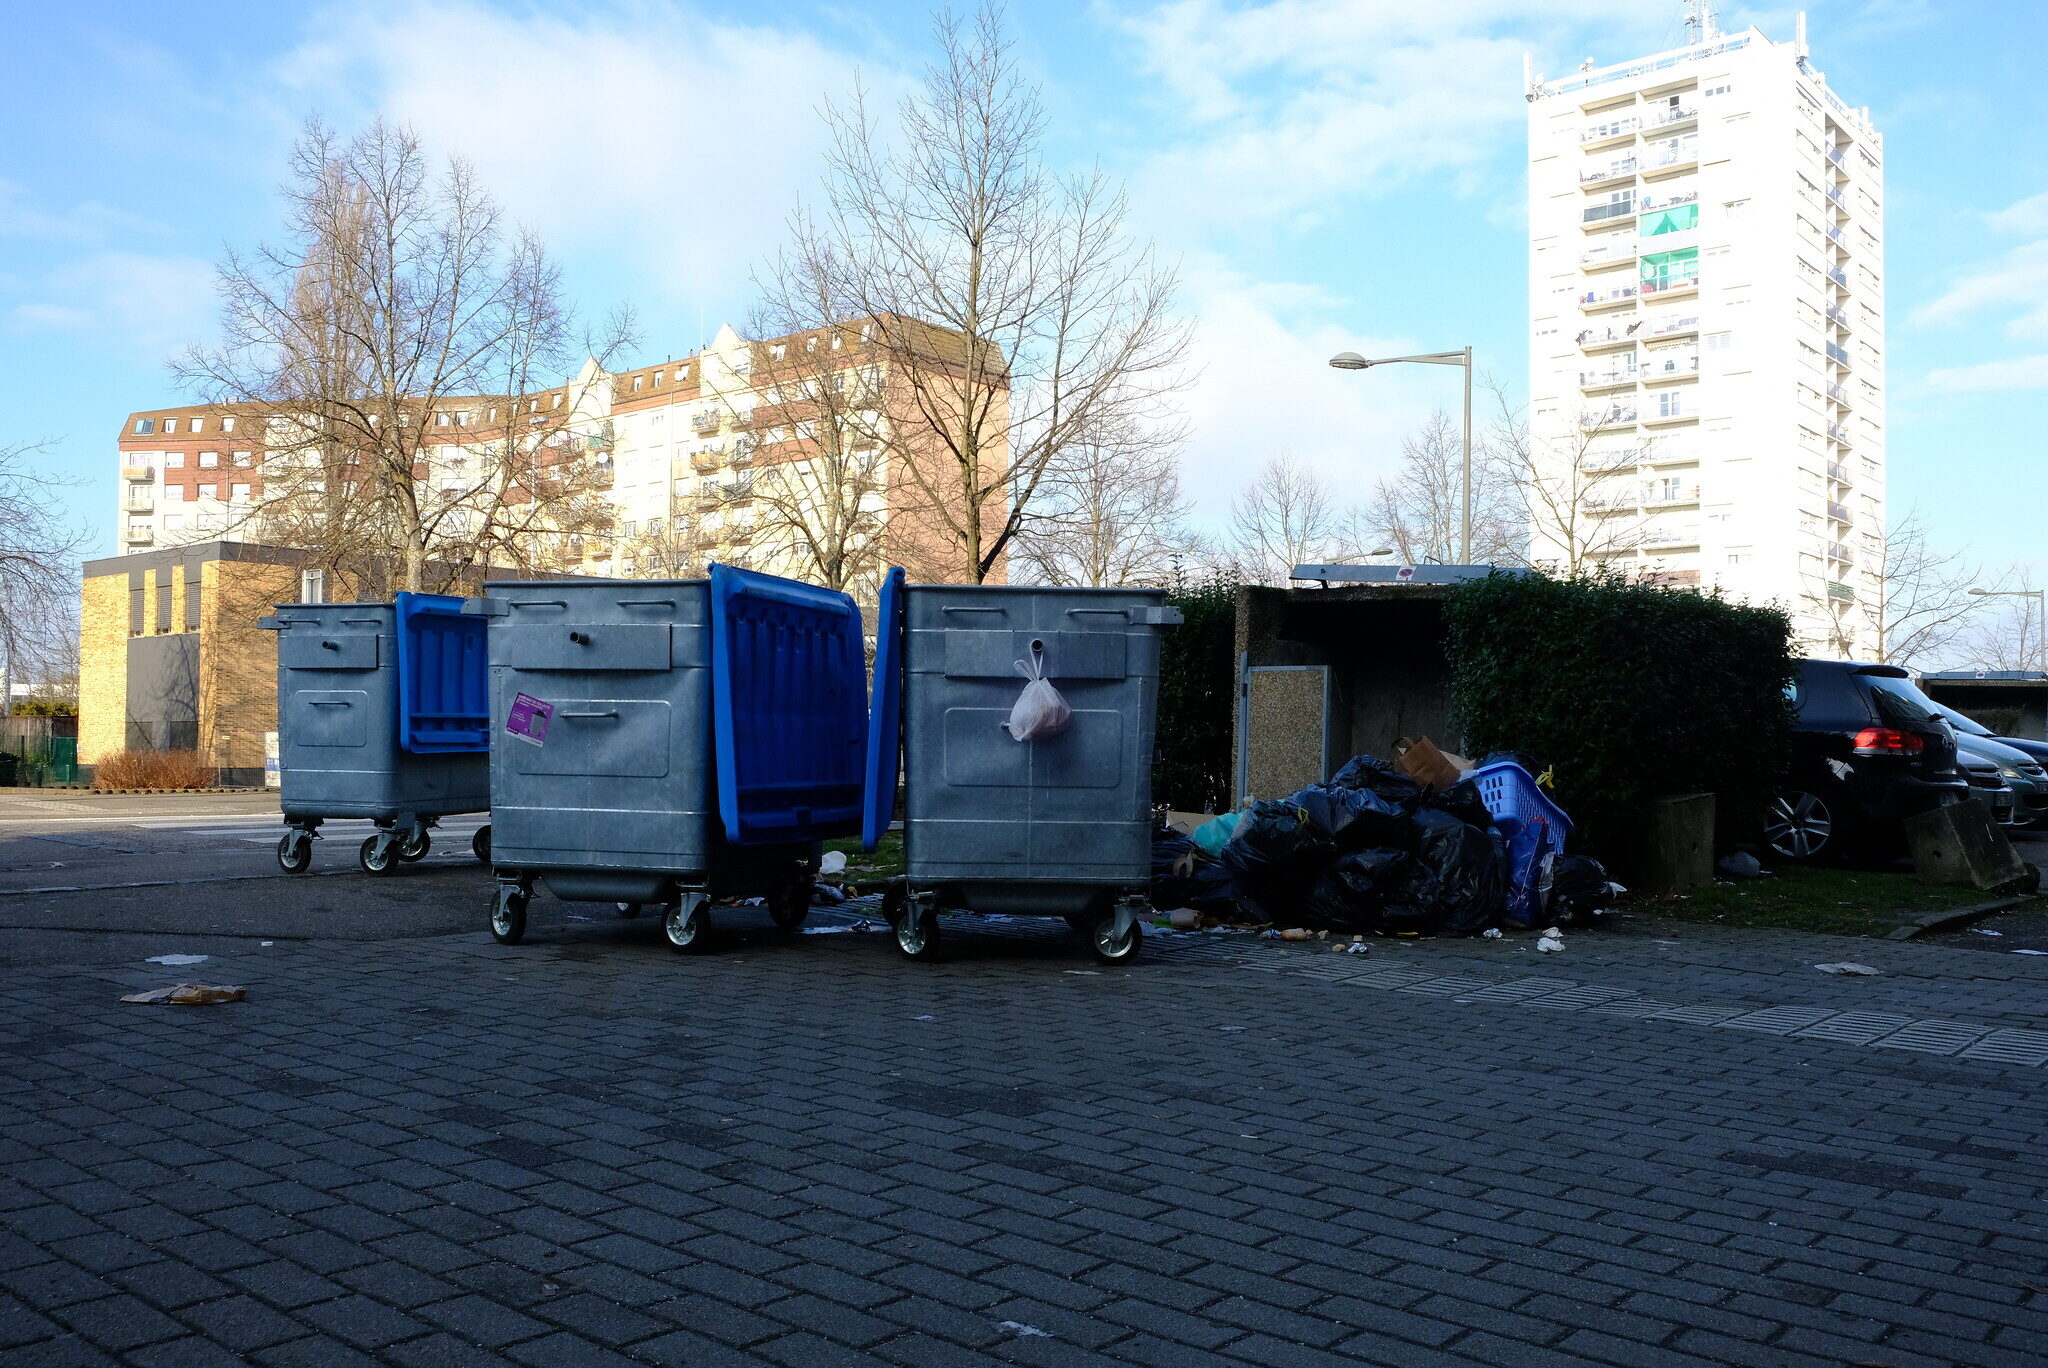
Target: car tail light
(1885, 741)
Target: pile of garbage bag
(1371, 850)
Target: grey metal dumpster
(380, 715)
(1059, 826)
(667, 742)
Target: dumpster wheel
(295, 851)
(508, 915)
(1117, 936)
(917, 927)
(687, 923)
(379, 854)
(415, 845)
(791, 907)
(480, 843)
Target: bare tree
(1417, 512)
(1927, 608)
(392, 347)
(1285, 517)
(1110, 512)
(38, 574)
(2008, 634)
(1010, 316)
(1576, 493)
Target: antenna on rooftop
(1701, 24)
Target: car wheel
(1807, 823)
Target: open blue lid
(885, 713)
(786, 708)
(444, 689)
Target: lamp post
(1353, 361)
(2041, 646)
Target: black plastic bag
(1395, 791)
(1356, 819)
(1275, 856)
(1459, 887)
(1352, 894)
(1183, 875)
(1578, 887)
(1462, 801)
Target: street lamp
(1353, 361)
(2041, 647)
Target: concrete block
(1960, 844)
(1674, 849)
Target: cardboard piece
(186, 995)
(1423, 762)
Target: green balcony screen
(1676, 219)
(1683, 264)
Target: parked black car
(1869, 751)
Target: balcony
(1838, 511)
(1672, 118)
(708, 501)
(1838, 472)
(1839, 395)
(1615, 253)
(1604, 379)
(1675, 327)
(138, 503)
(1670, 413)
(1841, 592)
(1665, 495)
(1670, 158)
(1613, 171)
(1615, 415)
(1838, 433)
(1839, 236)
(1652, 202)
(1838, 354)
(138, 536)
(1838, 197)
(1839, 552)
(1839, 276)
(1608, 460)
(1673, 287)
(1596, 339)
(704, 423)
(138, 474)
(1838, 316)
(1613, 297)
(1836, 156)
(704, 462)
(1610, 131)
(1671, 536)
(1671, 365)
(1608, 213)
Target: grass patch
(885, 861)
(1835, 902)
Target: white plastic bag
(1039, 711)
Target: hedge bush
(1197, 701)
(1626, 691)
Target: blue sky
(1331, 174)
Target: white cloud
(1990, 377)
(2013, 284)
(87, 224)
(145, 305)
(2029, 215)
(644, 130)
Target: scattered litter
(192, 959)
(1982, 932)
(268, 944)
(1088, 973)
(2030, 952)
(1184, 919)
(1549, 945)
(1294, 933)
(186, 995)
(924, 1018)
(862, 925)
(834, 862)
(1862, 969)
(1023, 1331)
(1491, 933)
(1233, 1028)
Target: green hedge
(1626, 691)
(1197, 702)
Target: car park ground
(1672, 1144)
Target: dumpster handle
(1117, 612)
(962, 608)
(647, 603)
(328, 702)
(538, 603)
(613, 713)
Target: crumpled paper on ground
(187, 995)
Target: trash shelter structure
(381, 711)
(1024, 719)
(668, 742)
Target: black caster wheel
(1111, 948)
(792, 907)
(508, 916)
(480, 843)
(378, 854)
(295, 852)
(687, 925)
(917, 931)
(415, 846)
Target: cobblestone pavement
(588, 1151)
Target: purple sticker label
(528, 719)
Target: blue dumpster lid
(444, 698)
(885, 713)
(786, 694)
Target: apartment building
(710, 456)
(1706, 303)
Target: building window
(207, 491)
(239, 493)
(1719, 341)
(170, 426)
(198, 425)
(227, 425)
(245, 458)
(208, 459)
(312, 586)
(1721, 89)
(144, 426)
(637, 382)
(440, 420)
(1670, 403)
(174, 460)
(174, 493)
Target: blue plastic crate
(444, 685)
(1534, 827)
